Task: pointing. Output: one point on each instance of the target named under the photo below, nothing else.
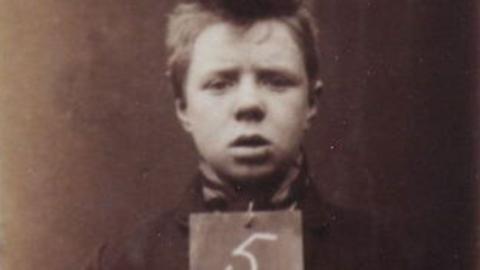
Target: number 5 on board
(241, 251)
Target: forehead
(267, 42)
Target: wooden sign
(246, 241)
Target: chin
(252, 174)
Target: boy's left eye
(277, 81)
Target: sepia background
(89, 142)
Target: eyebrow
(272, 71)
(223, 72)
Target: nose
(250, 105)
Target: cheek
(207, 116)
(291, 110)
(289, 117)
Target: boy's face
(247, 103)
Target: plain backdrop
(89, 142)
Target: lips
(251, 149)
(250, 141)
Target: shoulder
(157, 241)
(156, 237)
(346, 238)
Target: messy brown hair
(188, 20)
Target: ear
(313, 100)
(182, 115)
(311, 112)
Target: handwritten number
(241, 250)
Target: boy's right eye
(218, 84)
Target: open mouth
(251, 149)
(250, 141)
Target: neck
(262, 193)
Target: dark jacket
(334, 238)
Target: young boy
(244, 74)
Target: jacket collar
(317, 214)
(270, 196)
